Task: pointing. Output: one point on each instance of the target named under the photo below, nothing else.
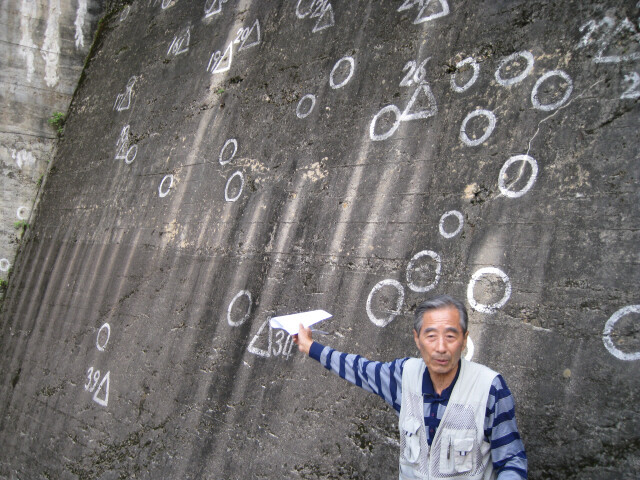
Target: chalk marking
(415, 72)
(101, 346)
(551, 106)
(23, 158)
(411, 266)
(167, 3)
(442, 13)
(22, 213)
(180, 42)
(123, 100)
(634, 90)
(51, 47)
(426, 113)
(308, 96)
(237, 323)
(325, 20)
(528, 56)
(90, 377)
(489, 115)
(320, 9)
(218, 62)
(125, 13)
(383, 322)
(304, 14)
(123, 151)
(28, 11)
(234, 143)
(5, 265)
(608, 37)
(504, 189)
(259, 351)
(211, 7)
(226, 188)
(472, 80)
(81, 13)
(102, 401)
(394, 127)
(491, 308)
(351, 63)
(248, 33)
(608, 328)
(443, 218)
(164, 193)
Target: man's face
(441, 341)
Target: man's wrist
(315, 350)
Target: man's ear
(466, 336)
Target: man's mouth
(441, 361)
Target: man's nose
(440, 345)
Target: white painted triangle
(421, 18)
(253, 38)
(224, 63)
(326, 20)
(410, 4)
(422, 99)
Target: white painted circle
(383, 322)
(503, 175)
(608, 328)
(392, 130)
(22, 213)
(313, 104)
(234, 143)
(487, 133)
(4, 265)
(443, 218)
(247, 294)
(471, 349)
(125, 13)
(472, 80)
(133, 157)
(480, 307)
(164, 193)
(303, 15)
(226, 188)
(352, 64)
(551, 106)
(166, 3)
(411, 266)
(528, 56)
(106, 327)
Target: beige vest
(458, 450)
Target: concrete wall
(224, 162)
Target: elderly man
(457, 418)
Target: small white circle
(528, 56)
(608, 328)
(164, 193)
(308, 96)
(346, 80)
(487, 133)
(471, 349)
(472, 80)
(551, 106)
(383, 322)
(125, 13)
(226, 188)
(411, 267)
(237, 323)
(480, 307)
(22, 213)
(503, 175)
(443, 218)
(233, 142)
(4, 265)
(106, 327)
(133, 156)
(392, 130)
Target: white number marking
(504, 189)
(471, 81)
(180, 42)
(551, 106)
(106, 328)
(351, 63)
(443, 218)
(250, 36)
(219, 62)
(634, 89)
(320, 9)
(90, 377)
(226, 188)
(163, 193)
(491, 308)
(237, 323)
(528, 56)
(383, 322)
(411, 267)
(415, 72)
(608, 329)
(123, 151)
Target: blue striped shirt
(385, 379)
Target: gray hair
(435, 303)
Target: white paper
(291, 323)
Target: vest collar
(429, 391)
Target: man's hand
(303, 339)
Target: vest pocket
(411, 429)
(456, 451)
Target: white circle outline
(480, 307)
(313, 104)
(247, 293)
(410, 266)
(487, 133)
(226, 188)
(446, 215)
(471, 349)
(126, 157)
(472, 80)
(5, 265)
(528, 56)
(608, 328)
(162, 194)
(20, 215)
(385, 321)
(503, 173)
(232, 141)
(551, 106)
(102, 347)
(392, 130)
(344, 82)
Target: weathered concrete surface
(134, 232)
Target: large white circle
(226, 188)
(528, 56)
(472, 80)
(247, 294)
(392, 130)
(106, 327)
(491, 308)
(5, 265)
(503, 174)
(383, 322)
(346, 80)
(22, 213)
(164, 193)
(487, 133)
(411, 266)
(608, 328)
(551, 106)
(313, 104)
(231, 141)
(451, 213)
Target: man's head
(440, 333)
